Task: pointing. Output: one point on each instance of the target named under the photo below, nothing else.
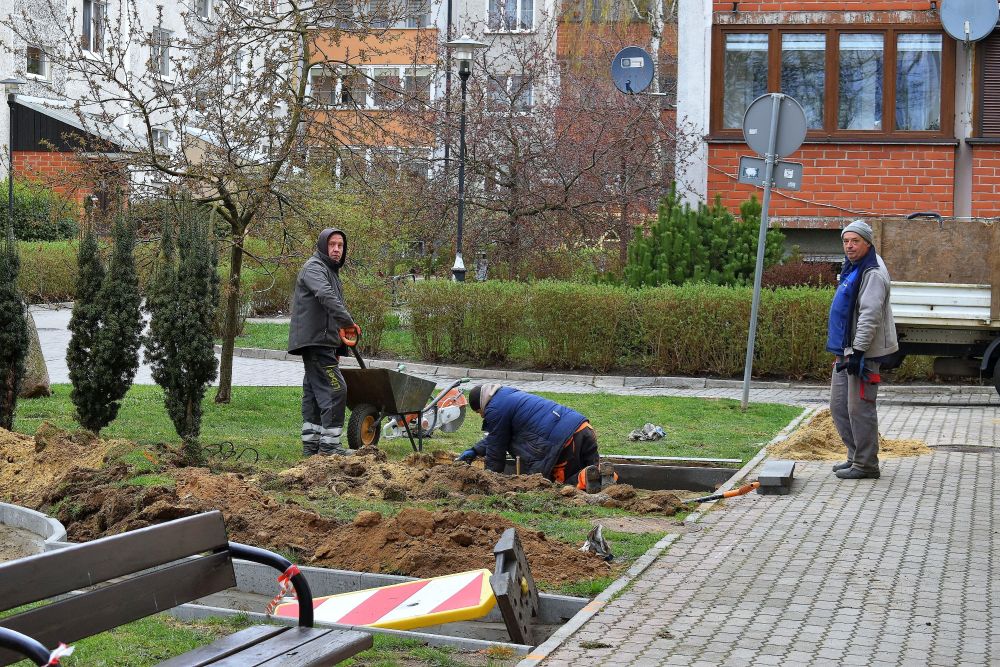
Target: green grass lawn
(268, 419)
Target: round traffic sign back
(632, 70)
(791, 124)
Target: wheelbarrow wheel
(365, 426)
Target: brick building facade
(901, 116)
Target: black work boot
(843, 465)
(592, 475)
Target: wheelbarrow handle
(350, 336)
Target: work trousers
(579, 453)
(324, 401)
(855, 417)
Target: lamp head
(465, 49)
(12, 85)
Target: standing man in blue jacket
(862, 334)
(318, 315)
(548, 438)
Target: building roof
(58, 120)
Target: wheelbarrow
(374, 394)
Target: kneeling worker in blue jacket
(549, 438)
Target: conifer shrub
(703, 244)
(13, 330)
(180, 344)
(105, 328)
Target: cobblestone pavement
(899, 571)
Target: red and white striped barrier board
(415, 604)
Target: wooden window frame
(832, 82)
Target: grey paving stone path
(899, 571)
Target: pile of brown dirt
(819, 441)
(435, 476)
(93, 503)
(418, 477)
(426, 544)
(31, 466)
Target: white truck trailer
(945, 291)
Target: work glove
(468, 456)
(855, 363)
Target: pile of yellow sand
(819, 441)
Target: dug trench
(100, 487)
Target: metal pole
(769, 160)
(447, 99)
(10, 172)
(458, 270)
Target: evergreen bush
(706, 244)
(40, 214)
(105, 328)
(180, 343)
(13, 330)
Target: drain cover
(965, 449)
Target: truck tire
(364, 427)
(996, 375)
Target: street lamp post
(464, 48)
(11, 86)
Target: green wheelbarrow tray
(375, 393)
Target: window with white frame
(323, 85)
(203, 8)
(418, 13)
(385, 93)
(159, 52)
(92, 32)
(376, 87)
(161, 138)
(36, 62)
(510, 15)
(417, 84)
(510, 92)
(237, 81)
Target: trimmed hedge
(684, 330)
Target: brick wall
(824, 6)
(986, 181)
(59, 171)
(879, 179)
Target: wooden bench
(146, 571)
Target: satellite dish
(969, 20)
(632, 70)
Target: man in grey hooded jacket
(318, 315)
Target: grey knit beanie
(862, 229)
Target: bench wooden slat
(224, 646)
(49, 574)
(279, 645)
(118, 603)
(337, 646)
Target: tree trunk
(36, 375)
(231, 325)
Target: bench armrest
(25, 645)
(265, 557)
